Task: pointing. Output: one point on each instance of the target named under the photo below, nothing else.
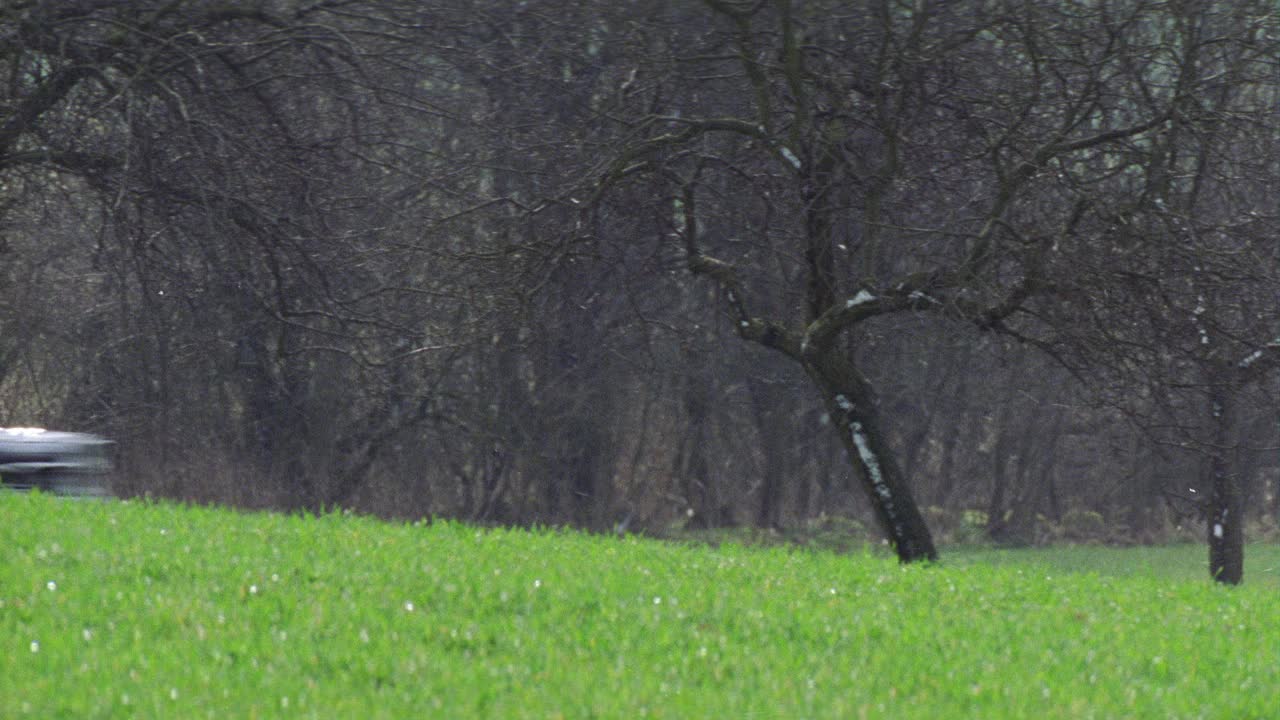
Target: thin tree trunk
(947, 460)
(771, 411)
(691, 463)
(1226, 526)
(1275, 501)
(997, 516)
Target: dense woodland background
(654, 264)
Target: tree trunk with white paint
(1226, 526)
(851, 405)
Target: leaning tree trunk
(1226, 521)
(850, 401)
(851, 404)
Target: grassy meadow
(113, 609)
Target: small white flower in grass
(173, 693)
(51, 585)
(87, 634)
(537, 583)
(408, 606)
(657, 601)
(253, 589)
(35, 646)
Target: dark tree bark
(692, 465)
(851, 403)
(1226, 512)
(770, 406)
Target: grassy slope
(124, 610)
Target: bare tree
(892, 160)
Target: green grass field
(112, 609)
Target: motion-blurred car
(62, 463)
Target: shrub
(1084, 526)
